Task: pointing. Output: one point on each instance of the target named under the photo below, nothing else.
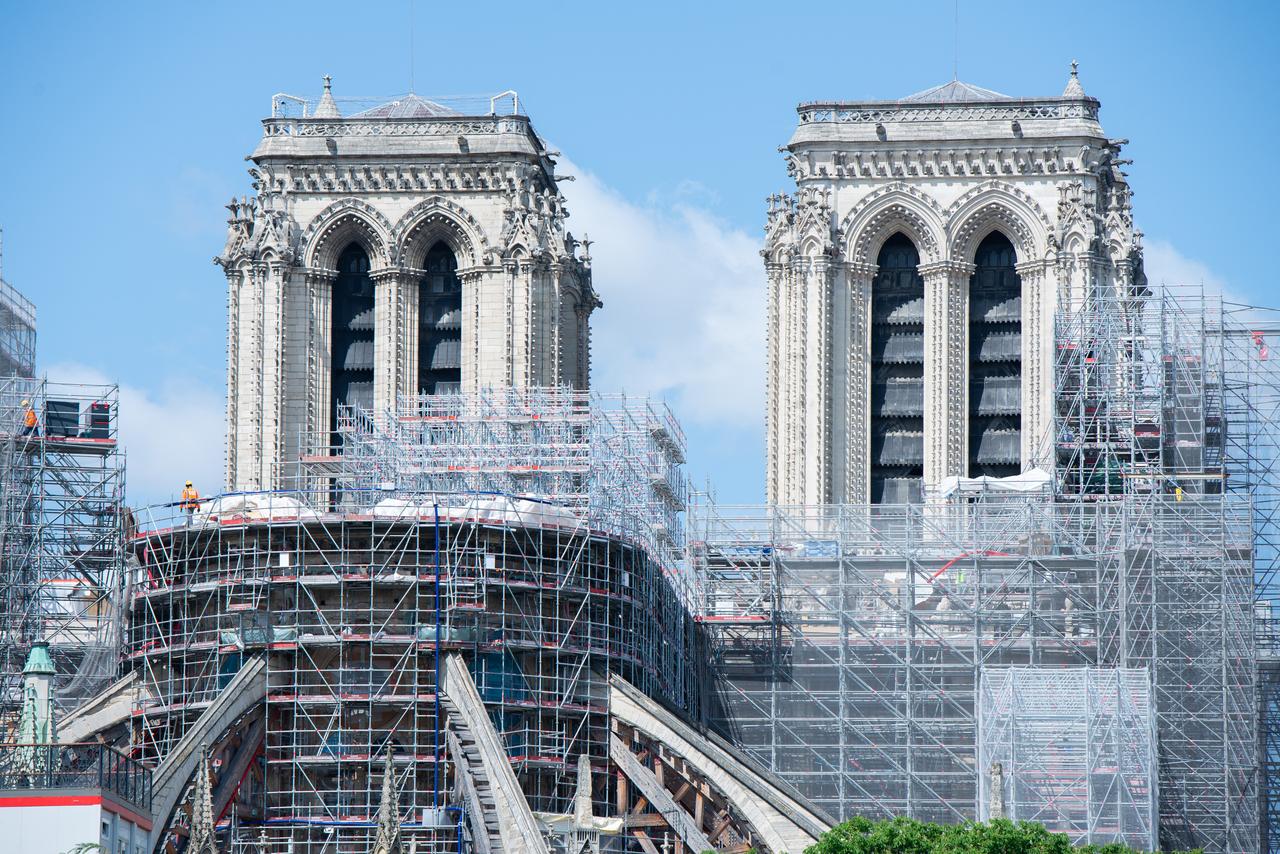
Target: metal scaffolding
(1251, 410)
(612, 461)
(411, 543)
(849, 661)
(61, 518)
(1069, 748)
(847, 645)
(17, 333)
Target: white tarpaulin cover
(1035, 480)
(488, 507)
(254, 507)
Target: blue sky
(126, 124)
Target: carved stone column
(410, 326)
(256, 431)
(790, 409)
(391, 353)
(581, 377)
(319, 357)
(473, 281)
(558, 310)
(817, 381)
(251, 389)
(512, 323)
(279, 400)
(1038, 310)
(856, 488)
(236, 339)
(542, 333)
(297, 369)
(946, 370)
(774, 273)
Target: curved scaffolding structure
(355, 585)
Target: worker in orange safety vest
(30, 424)
(190, 501)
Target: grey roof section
(954, 92)
(327, 108)
(954, 112)
(1074, 89)
(408, 107)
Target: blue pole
(435, 794)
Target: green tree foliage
(908, 836)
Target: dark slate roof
(955, 91)
(407, 107)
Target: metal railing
(75, 766)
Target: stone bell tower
(408, 247)
(914, 275)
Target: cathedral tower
(914, 277)
(411, 247)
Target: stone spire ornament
(388, 838)
(1074, 89)
(997, 790)
(36, 725)
(204, 835)
(582, 796)
(327, 108)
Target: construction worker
(30, 424)
(190, 501)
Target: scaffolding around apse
(62, 518)
(518, 551)
(612, 461)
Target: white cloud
(684, 301)
(169, 435)
(684, 297)
(1165, 265)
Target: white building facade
(407, 248)
(914, 276)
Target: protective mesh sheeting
(846, 643)
(1071, 748)
(17, 333)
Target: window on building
(352, 312)
(897, 374)
(995, 360)
(440, 323)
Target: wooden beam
(721, 827)
(647, 782)
(647, 820)
(643, 839)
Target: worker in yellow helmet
(190, 501)
(30, 424)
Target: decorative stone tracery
(946, 174)
(395, 188)
(335, 227)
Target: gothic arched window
(440, 323)
(897, 374)
(995, 360)
(352, 333)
